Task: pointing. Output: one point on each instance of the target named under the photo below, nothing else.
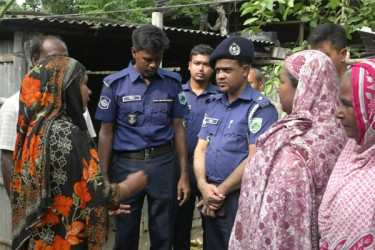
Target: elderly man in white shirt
(46, 47)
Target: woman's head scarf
(346, 216)
(50, 89)
(363, 95)
(310, 131)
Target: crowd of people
(260, 182)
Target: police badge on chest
(132, 118)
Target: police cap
(235, 48)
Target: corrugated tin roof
(80, 23)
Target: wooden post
(19, 62)
(301, 30)
(157, 20)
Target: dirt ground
(144, 244)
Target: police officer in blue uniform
(141, 109)
(198, 91)
(232, 123)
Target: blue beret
(235, 48)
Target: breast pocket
(160, 113)
(131, 113)
(212, 129)
(236, 140)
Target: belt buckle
(147, 153)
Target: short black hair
(329, 32)
(37, 45)
(201, 49)
(150, 38)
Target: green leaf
(269, 5)
(305, 18)
(291, 3)
(285, 15)
(255, 30)
(334, 3)
(313, 24)
(354, 19)
(248, 10)
(297, 7)
(250, 21)
(75, 200)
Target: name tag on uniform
(209, 120)
(131, 98)
(162, 100)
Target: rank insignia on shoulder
(132, 118)
(131, 98)
(256, 125)
(182, 97)
(104, 102)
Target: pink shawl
(284, 181)
(347, 213)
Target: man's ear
(343, 54)
(134, 52)
(246, 69)
(261, 86)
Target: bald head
(48, 46)
(255, 79)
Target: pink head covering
(284, 181)
(346, 215)
(363, 94)
(316, 95)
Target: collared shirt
(228, 133)
(8, 122)
(142, 114)
(197, 106)
(9, 118)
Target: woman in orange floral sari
(59, 198)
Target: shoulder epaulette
(261, 100)
(108, 80)
(170, 74)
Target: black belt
(147, 153)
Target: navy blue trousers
(161, 193)
(217, 230)
(185, 214)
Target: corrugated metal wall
(7, 86)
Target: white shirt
(8, 122)
(9, 118)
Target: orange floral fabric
(58, 194)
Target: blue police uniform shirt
(228, 133)
(197, 106)
(142, 114)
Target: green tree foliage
(132, 11)
(192, 12)
(352, 14)
(271, 74)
